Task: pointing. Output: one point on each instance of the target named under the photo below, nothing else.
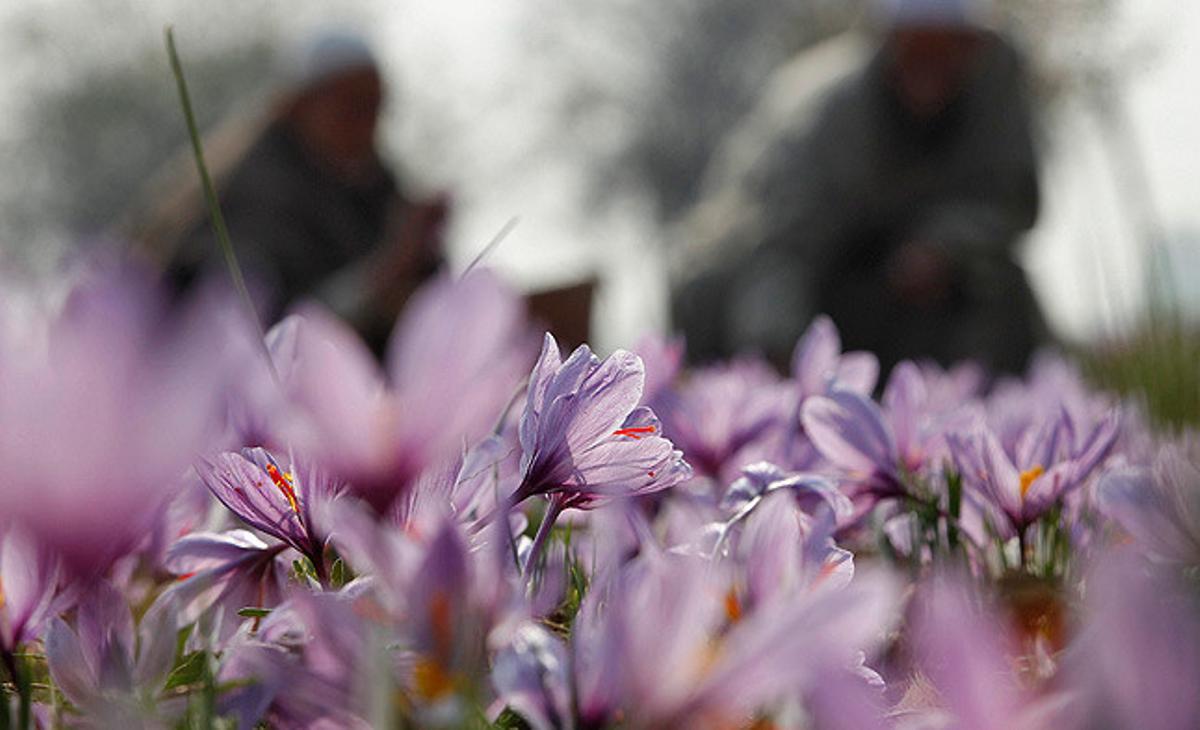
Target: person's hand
(919, 275)
(413, 251)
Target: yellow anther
(431, 680)
(1, 593)
(1028, 476)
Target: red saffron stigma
(634, 432)
(284, 482)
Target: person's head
(930, 47)
(336, 97)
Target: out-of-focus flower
(819, 365)
(783, 551)
(1137, 660)
(220, 574)
(970, 662)
(584, 440)
(281, 501)
(453, 362)
(103, 406)
(1159, 507)
(662, 359)
(112, 674)
(879, 450)
(724, 416)
(653, 647)
(28, 579)
(317, 661)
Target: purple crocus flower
(454, 360)
(1137, 660)
(725, 417)
(1159, 507)
(1046, 469)
(281, 501)
(584, 440)
(104, 406)
(662, 359)
(111, 672)
(820, 368)
(878, 448)
(967, 657)
(819, 365)
(653, 647)
(315, 662)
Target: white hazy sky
(1083, 257)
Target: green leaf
(337, 574)
(510, 720)
(189, 670)
(253, 612)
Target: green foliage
(188, 670)
(1158, 366)
(254, 612)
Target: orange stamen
(1, 594)
(431, 680)
(1028, 476)
(634, 432)
(283, 480)
(733, 607)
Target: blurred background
(597, 126)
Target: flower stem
(23, 688)
(214, 206)
(553, 510)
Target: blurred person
(885, 181)
(311, 209)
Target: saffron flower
(280, 501)
(655, 645)
(819, 365)
(454, 360)
(1048, 467)
(104, 406)
(584, 439)
(724, 416)
(111, 672)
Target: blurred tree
(95, 112)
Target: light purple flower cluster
(196, 531)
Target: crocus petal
(28, 577)
(69, 667)
(530, 676)
(1131, 497)
(156, 643)
(961, 653)
(849, 431)
(904, 398)
(815, 359)
(251, 493)
(857, 372)
(203, 550)
(106, 633)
